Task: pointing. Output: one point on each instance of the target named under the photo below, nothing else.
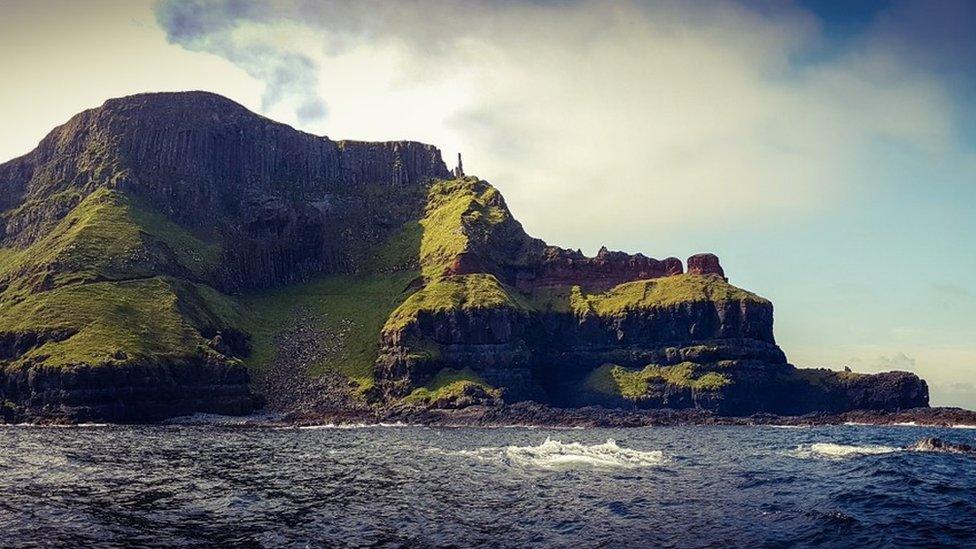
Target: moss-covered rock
(452, 388)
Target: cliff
(170, 253)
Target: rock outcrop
(705, 264)
(607, 269)
(553, 325)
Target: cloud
(619, 117)
(214, 27)
(883, 363)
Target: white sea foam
(350, 426)
(553, 454)
(829, 450)
(223, 420)
(963, 426)
(557, 455)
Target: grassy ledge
(641, 294)
(614, 380)
(447, 383)
(107, 237)
(460, 292)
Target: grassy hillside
(100, 288)
(107, 237)
(144, 320)
(351, 309)
(467, 215)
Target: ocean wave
(554, 454)
(829, 450)
(558, 455)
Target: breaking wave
(553, 454)
(829, 450)
(557, 455)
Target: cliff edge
(171, 253)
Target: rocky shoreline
(535, 415)
(531, 414)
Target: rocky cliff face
(540, 322)
(283, 204)
(156, 252)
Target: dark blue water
(846, 486)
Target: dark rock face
(128, 393)
(548, 356)
(286, 204)
(545, 356)
(489, 341)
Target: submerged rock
(933, 444)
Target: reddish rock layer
(705, 264)
(560, 267)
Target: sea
(226, 485)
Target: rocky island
(173, 253)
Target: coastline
(533, 415)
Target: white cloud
(617, 117)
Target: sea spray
(557, 455)
(829, 450)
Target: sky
(825, 150)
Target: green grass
(614, 380)
(102, 273)
(198, 256)
(447, 383)
(145, 319)
(7, 256)
(97, 239)
(351, 308)
(458, 211)
(105, 237)
(641, 294)
(461, 292)
(401, 252)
